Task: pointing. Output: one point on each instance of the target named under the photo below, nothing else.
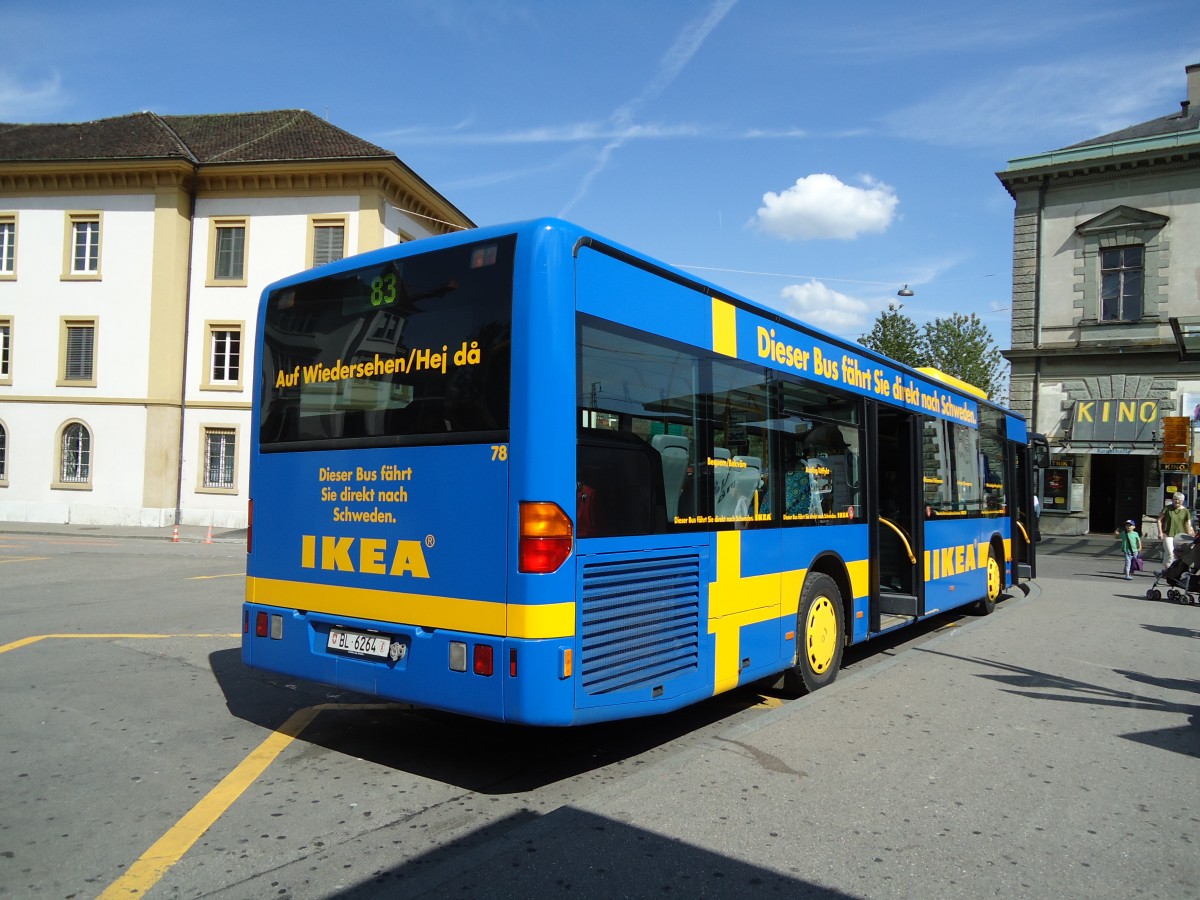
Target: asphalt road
(1047, 750)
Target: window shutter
(80, 349)
(328, 243)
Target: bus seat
(724, 498)
(675, 451)
(620, 480)
(748, 479)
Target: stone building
(1106, 258)
(132, 254)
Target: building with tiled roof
(1105, 243)
(132, 254)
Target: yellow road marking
(25, 642)
(230, 575)
(22, 559)
(170, 848)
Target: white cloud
(821, 206)
(819, 305)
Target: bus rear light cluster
(266, 626)
(481, 658)
(547, 537)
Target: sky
(814, 157)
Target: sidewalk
(1093, 545)
(192, 534)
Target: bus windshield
(411, 350)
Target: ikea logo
(955, 560)
(371, 556)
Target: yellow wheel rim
(820, 635)
(993, 575)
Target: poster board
(1056, 494)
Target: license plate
(359, 643)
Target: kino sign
(1115, 420)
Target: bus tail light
(483, 659)
(546, 538)
(512, 662)
(260, 624)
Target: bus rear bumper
(487, 676)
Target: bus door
(897, 586)
(1028, 460)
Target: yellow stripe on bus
(551, 620)
(735, 601)
(724, 323)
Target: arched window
(75, 459)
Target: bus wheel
(820, 636)
(987, 605)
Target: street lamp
(905, 291)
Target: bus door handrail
(903, 538)
(1023, 531)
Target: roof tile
(271, 136)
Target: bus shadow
(474, 754)
(492, 757)
(571, 851)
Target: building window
(5, 350)
(3, 455)
(8, 246)
(227, 248)
(83, 246)
(223, 355)
(220, 457)
(1121, 270)
(328, 237)
(75, 456)
(78, 343)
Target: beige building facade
(1106, 253)
(132, 255)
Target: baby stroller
(1181, 576)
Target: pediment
(1123, 217)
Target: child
(1131, 543)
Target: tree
(962, 346)
(896, 335)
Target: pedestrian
(1131, 543)
(1173, 521)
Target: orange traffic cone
(208, 539)
(175, 535)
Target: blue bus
(526, 474)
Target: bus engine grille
(641, 622)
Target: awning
(1098, 448)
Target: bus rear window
(414, 350)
